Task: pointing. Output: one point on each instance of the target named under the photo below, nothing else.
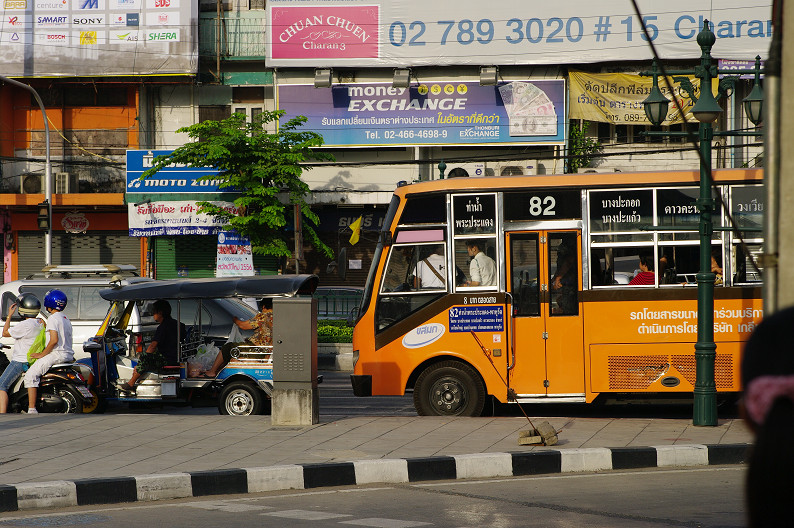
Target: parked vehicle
(206, 307)
(81, 284)
(63, 389)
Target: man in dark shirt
(164, 348)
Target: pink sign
(324, 32)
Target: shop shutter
(194, 256)
(97, 247)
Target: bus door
(545, 278)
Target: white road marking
(306, 515)
(377, 522)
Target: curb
(83, 492)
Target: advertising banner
(173, 218)
(72, 38)
(172, 179)
(431, 113)
(617, 98)
(402, 33)
(234, 255)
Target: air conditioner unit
(31, 184)
(463, 170)
(65, 183)
(515, 168)
(585, 170)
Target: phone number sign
(476, 319)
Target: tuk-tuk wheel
(241, 399)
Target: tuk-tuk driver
(164, 348)
(261, 324)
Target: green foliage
(334, 332)
(264, 167)
(581, 148)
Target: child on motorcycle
(24, 334)
(58, 348)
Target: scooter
(62, 389)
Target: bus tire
(241, 399)
(449, 388)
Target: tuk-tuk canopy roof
(256, 287)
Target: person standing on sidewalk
(58, 348)
(768, 408)
(24, 335)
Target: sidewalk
(101, 459)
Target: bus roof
(589, 180)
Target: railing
(336, 306)
(242, 35)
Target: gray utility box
(295, 399)
(295, 343)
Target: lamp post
(47, 173)
(706, 110)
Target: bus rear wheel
(449, 388)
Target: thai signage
(431, 113)
(617, 97)
(173, 218)
(403, 33)
(70, 38)
(234, 255)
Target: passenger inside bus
(431, 270)
(646, 274)
(482, 268)
(565, 281)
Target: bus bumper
(362, 384)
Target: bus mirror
(385, 238)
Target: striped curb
(115, 490)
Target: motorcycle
(64, 388)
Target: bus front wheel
(449, 388)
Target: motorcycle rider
(24, 334)
(58, 348)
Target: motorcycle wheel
(97, 405)
(74, 403)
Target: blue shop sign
(476, 319)
(172, 179)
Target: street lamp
(706, 110)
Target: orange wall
(18, 117)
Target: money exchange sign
(432, 113)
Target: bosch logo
(56, 37)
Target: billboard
(70, 38)
(431, 113)
(405, 33)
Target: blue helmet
(55, 299)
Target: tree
(264, 166)
(581, 148)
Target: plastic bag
(38, 344)
(205, 355)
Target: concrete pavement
(101, 459)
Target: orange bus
(559, 288)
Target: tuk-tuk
(205, 307)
